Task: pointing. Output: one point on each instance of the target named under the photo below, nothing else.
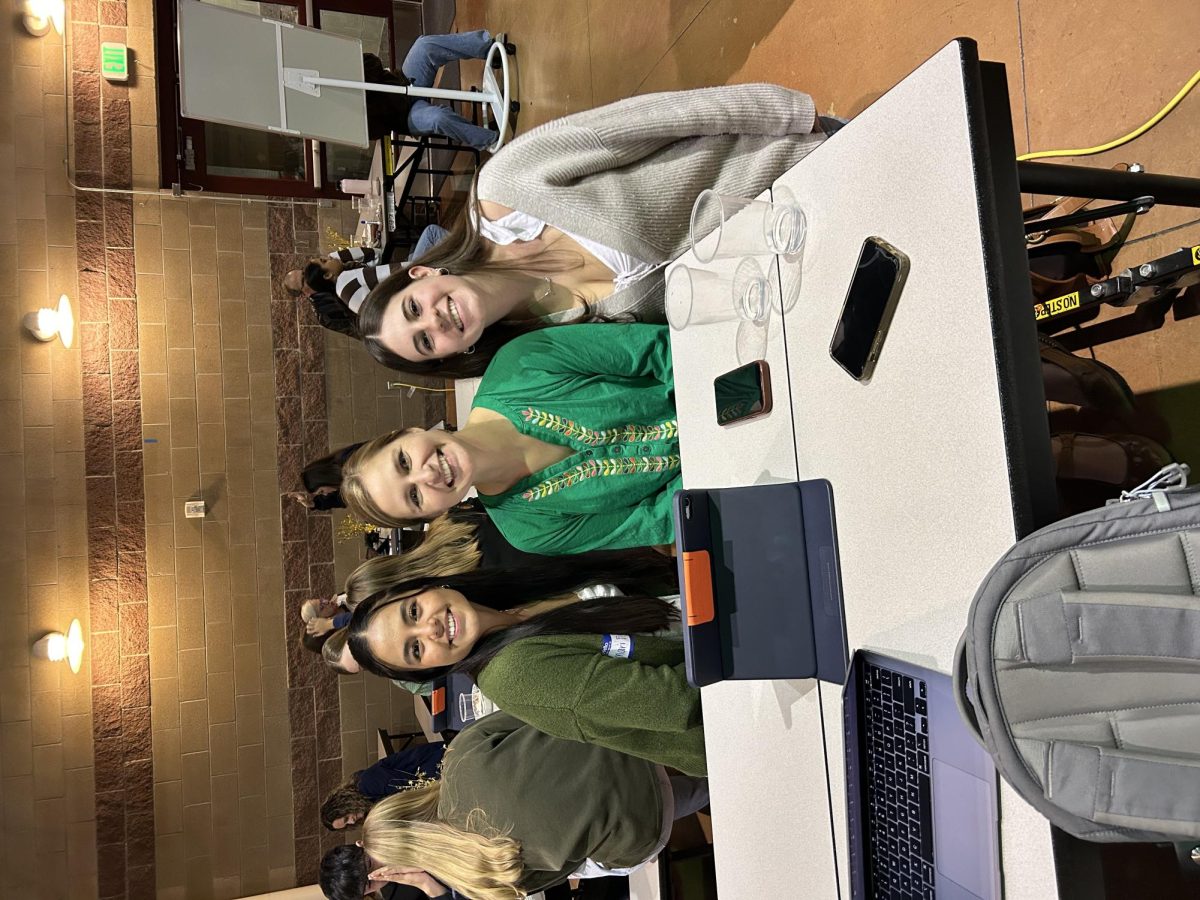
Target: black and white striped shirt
(359, 274)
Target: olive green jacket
(568, 687)
(565, 802)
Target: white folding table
(938, 465)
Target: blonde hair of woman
(354, 493)
(404, 830)
(449, 548)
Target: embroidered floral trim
(590, 436)
(629, 465)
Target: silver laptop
(921, 794)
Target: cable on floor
(418, 387)
(1136, 133)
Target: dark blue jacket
(399, 770)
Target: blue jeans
(432, 234)
(691, 794)
(428, 54)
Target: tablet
(760, 583)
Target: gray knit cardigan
(626, 174)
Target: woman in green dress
(572, 443)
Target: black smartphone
(743, 393)
(870, 303)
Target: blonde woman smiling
(572, 444)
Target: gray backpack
(1080, 667)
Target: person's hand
(418, 878)
(301, 497)
(318, 626)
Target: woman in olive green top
(595, 672)
(572, 443)
(517, 811)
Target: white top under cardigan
(624, 176)
(519, 226)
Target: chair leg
(388, 740)
(385, 741)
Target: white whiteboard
(231, 71)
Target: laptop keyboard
(899, 813)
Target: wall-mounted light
(46, 324)
(56, 646)
(39, 16)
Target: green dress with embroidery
(605, 391)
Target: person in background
(387, 112)
(324, 615)
(597, 670)
(518, 811)
(323, 479)
(335, 652)
(348, 804)
(346, 277)
(331, 313)
(346, 871)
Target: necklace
(537, 302)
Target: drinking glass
(481, 704)
(701, 297)
(466, 708)
(745, 227)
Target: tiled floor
(1079, 73)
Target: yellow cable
(1088, 151)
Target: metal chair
(387, 745)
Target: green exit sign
(114, 61)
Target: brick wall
(300, 410)
(220, 714)
(47, 778)
(112, 420)
(188, 756)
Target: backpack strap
(1125, 789)
(1066, 626)
(964, 694)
